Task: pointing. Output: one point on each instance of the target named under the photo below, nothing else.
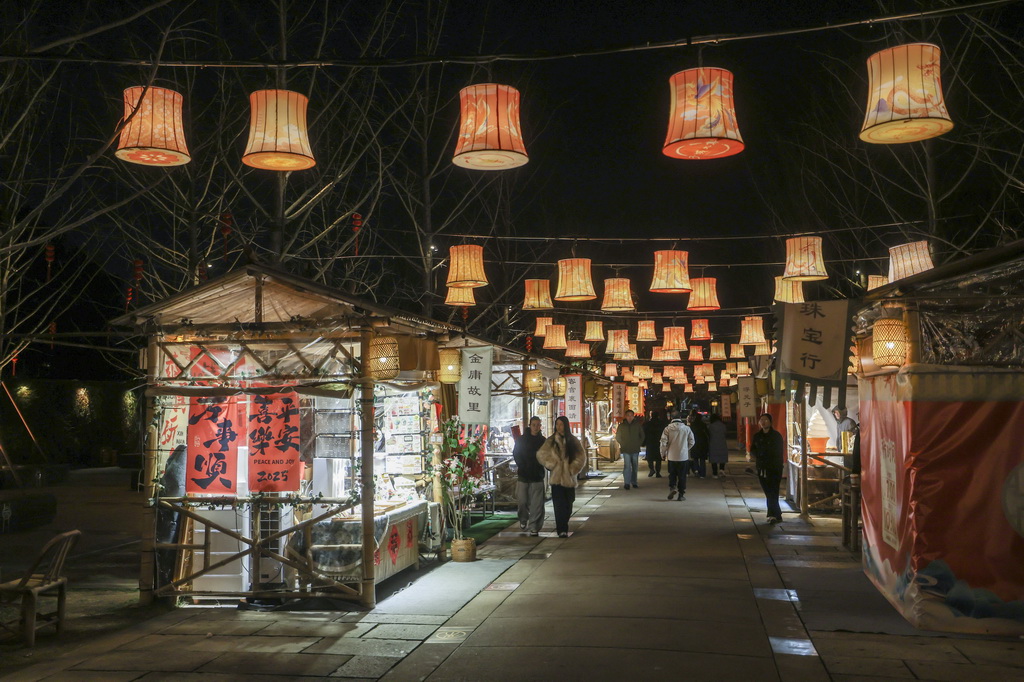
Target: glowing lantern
(702, 118)
(704, 295)
(657, 378)
(631, 355)
(617, 296)
(154, 136)
(674, 338)
(595, 331)
(724, 376)
(451, 365)
(659, 354)
(645, 331)
(875, 281)
(762, 349)
(696, 353)
(538, 295)
(574, 283)
(687, 388)
(711, 386)
(666, 387)
(618, 341)
(742, 368)
(463, 297)
(577, 349)
(905, 96)
(383, 357)
(736, 351)
(889, 342)
(558, 389)
(909, 259)
(643, 372)
(671, 272)
(489, 136)
(804, 260)
(278, 139)
(717, 351)
(751, 331)
(466, 266)
(699, 380)
(699, 331)
(611, 370)
(788, 290)
(555, 337)
(643, 384)
(542, 324)
(535, 381)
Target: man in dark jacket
(769, 455)
(530, 486)
(630, 436)
(652, 440)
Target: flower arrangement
(459, 456)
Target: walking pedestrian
(562, 455)
(630, 437)
(676, 441)
(530, 483)
(699, 454)
(652, 441)
(718, 446)
(768, 451)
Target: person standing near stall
(630, 437)
(699, 453)
(653, 429)
(676, 441)
(718, 448)
(562, 455)
(767, 448)
(530, 483)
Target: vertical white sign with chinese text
(815, 339)
(618, 401)
(746, 391)
(574, 401)
(475, 385)
(889, 502)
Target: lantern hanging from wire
(382, 358)
(154, 136)
(804, 260)
(762, 349)
(535, 381)
(577, 349)
(617, 295)
(909, 259)
(905, 101)
(712, 388)
(674, 338)
(659, 354)
(558, 388)
(699, 379)
(278, 138)
(574, 282)
(788, 290)
(736, 351)
(538, 295)
(696, 354)
(630, 355)
(554, 338)
(645, 331)
(671, 272)
(717, 352)
(618, 341)
(466, 266)
(451, 365)
(611, 370)
(889, 342)
(700, 331)
(643, 371)
(490, 137)
(702, 116)
(542, 324)
(704, 295)
(666, 387)
(463, 297)
(742, 368)
(656, 378)
(876, 281)
(687, 388)
(643, 385)
(752, 331)
(595, 331)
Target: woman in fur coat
(562, 455)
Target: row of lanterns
(905, 104)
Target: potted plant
(459, 485)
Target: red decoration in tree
(137, 277)
(357, 224)
(50, 257)
(529, 344)
(14, 366)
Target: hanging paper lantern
(451, 365)
(671, 272)
(618, 341)
(555, 337)
(804, 260)
(742, 368)
(712, 387)
(700, 331)
(466, 266)
(762, 349)
(717, 352)
(889, 342)
(535, 381)
(617, 296)
(154, 136)
(643, 384)
(674, 338)
(595, 331)
(659, 354)
(909, 259)
(630, 355)
(875, 281)
(645, 331)
(558, 388)
(542, 324)
(538, 295)
(687, 388)
(657, 378)
(724, 375)
(463, 297)
(611, 370)
(577, 349)
(788, 290)
(574, 282)
(736, 351)
(702, 117)
(643, 372)
(696, 353)
(383, 357)
(752, 331)
(704, 295)
(666, 387)
(905, 96)
(489, 136)
(278, 139)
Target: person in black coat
(653, 429)
(769, 456)
(530, 486)
(702, 446)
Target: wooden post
(367, 593)
(147, 566)
(803, 457)
(526, 398)
(912, 319)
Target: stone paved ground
(645, 588)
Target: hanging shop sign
(618, 401)
(574, 401)
(274, 437)
(475, 385)
(746, 390)
(212, 446)
(726, 408)
(814, 347)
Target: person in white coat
(676, 441)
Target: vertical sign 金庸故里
(475, 385)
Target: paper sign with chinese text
(475, 385)
(726, 408)
(815, 341)
(746, 392)
(574, 401)
(213, 432)
(273, 436)
(618, 402)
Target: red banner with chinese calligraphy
(212, 465)
(274, 446)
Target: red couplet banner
(212, 446)
(274, 446)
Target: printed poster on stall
(212, 464)
(274, 445)
(475, 385)
(574, 401)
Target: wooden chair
(44, 578)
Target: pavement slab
(286, 665)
